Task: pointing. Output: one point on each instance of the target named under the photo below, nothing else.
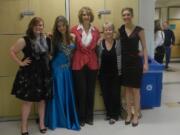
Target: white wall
(146, 20)
(157, 14)
(164, 14)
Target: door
(176, 48)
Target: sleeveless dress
(32, 82)
(61, 111)
(132, 67)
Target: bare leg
(41, 111)
(25, 111)
(128, 97)
(136, 99)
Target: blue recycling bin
(151, 86)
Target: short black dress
(132, 67)
(33, 82)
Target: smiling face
(61, 27)
(85, 15)
(35, 27)
(108, 31)
(38, 28)
(127, 15)
(86, 18)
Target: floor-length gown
(61, 111)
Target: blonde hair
(108, 24)
(88, 10)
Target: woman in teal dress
(61, 111)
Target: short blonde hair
(109, 24)
(89, 12)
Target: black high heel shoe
(25, 133)
(43, 131)
(129, 121)
(112, 121)
(82, 124)
(135, 124)
(89, 122)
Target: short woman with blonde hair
(110, 72)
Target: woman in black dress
(132, 65)
(32, 83)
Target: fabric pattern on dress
(32, 82)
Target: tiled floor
(164, 120)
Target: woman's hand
(140, 53)
(145, 68)
(100, 40)
(73, 37)
(25, 62)
(49, 35)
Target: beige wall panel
(175, 51)
(8, 66)
(48, 10)
(114, 5)
(10, 16)
(1, 99)
(76, 5)
(99, 104)
(10, 13)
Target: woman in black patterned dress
(132, 65)
(32, 82)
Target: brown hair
(57, 36)
(128, 9)
(157, 26)
(89, 12)
(34, 21)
